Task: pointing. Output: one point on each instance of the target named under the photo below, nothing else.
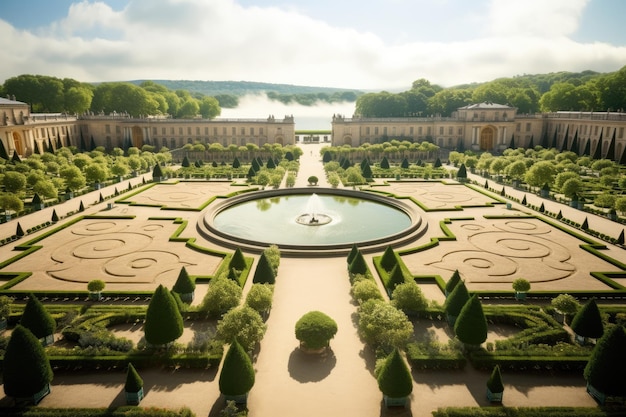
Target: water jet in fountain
(314, 213)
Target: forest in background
(529, 93)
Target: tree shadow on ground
(311, 367)
(369, 356)
(170, 379)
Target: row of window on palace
(174, 143)
(590, 130)
(181, 130)
(428, 130)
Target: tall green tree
(264, 273)
(588, 321)
(606, 369)
(237, 375)
(456, 300)
(394, 377)
(243, 324)
(26, 369)
(164, 323)
(471, 325)
(37, 319)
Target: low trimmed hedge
(529, 412)
(126, 411)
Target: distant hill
(241, 88)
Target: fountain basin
(255, 220)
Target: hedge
(529, 412)
(126, 411)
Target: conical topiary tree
(389, 259)
(461, 174)
(18, 230)
(238, 260)
(352, 254)
(186, 163)
(358, 265)
(588, 321)
(157, 173)
(394, 379)
(396, 277)
(495, 387)
(384, 163)
(133, 387)
(455, 302)
(471, 325)
(315, 329)
(26, 371)
(606, 370)
(37, 319)
(164, 323)
(264, 273)
(55, 216)
(184, 286)
(452, 282)
(237, 374)
(236, 163)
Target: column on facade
(504, 134)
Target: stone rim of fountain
(417, 228)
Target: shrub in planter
(37, 319)
(164, 323)
(606, 370)
(495, 387)
(237, 374)
(521, 287)
(184, 286)
(133, 387)
(588, 322)
(314, 330)
(471, 325)
(95, 288)
(394, 380)
(26, 369)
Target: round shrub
(408, 297)
(365, 289)
(315, 329)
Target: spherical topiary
(26, 370)
(394, 377)
(521, 285)
(237, 374)
(408, 297)
(315, 329)
(96, 285)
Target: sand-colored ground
(289, 382)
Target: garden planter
(395, 401)
(36, 398)
(48, 340)
(520, 295)
(494, 397)
(3, 324)
(134, 398)
(95, 296)
(187, 297)
(238, 399)
(312, 351)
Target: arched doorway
(347, 140)
(17, 143)
(137, 137)
(280, 140)
(487, 135)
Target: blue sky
(374, 44)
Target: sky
(370, 45)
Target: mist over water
(318, 117)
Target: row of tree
(585, 91)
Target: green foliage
(238, 260)
(588, 321)
(273, 256)
(394, 377)
(494, 383)
(382, 325)
(96, 285)
(396, 277)
(312, 180)
(363, 290)
(133, 381)
(388, 260)
(223, 294)
(471, 325)
(565, 304)
(264, 273)
(237, 374)
(157, 172)
(358, 265)
(456, 300)
(164, 323)
(315, 329)
(453, 281)
(521, 285)
(384, 163)
(260, 297)
(606, 369)
(26, 368)
(36, 319)
(5, 306)
(353, 252)
(408, 297)
(243, 324)
(184, 284)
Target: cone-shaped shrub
(18, 230)
(238, 261)
(437, 163)
(164, 323)
(157, 172)
(358, 265)
(236, 163)
(452, 282)
(524, 200)
(462, 172)
(186, 162)
(270, 164)
(396, 277)
(36, 199)
(389, 259)
(55, 216)
(588, 321)
(620, 239)
(384, 163)
(315, 329)
(327, 157)
(81, 207)
(37, 319)
(133, 381)
(352, 253)
(405, 163)
(366, 171)
(26, 368)
(585, 224)
(606, 369)
(251, 173)
(456, 300)
(494, 383)
(471, 325)
(237, 374)
(184, 284)
(255, 166)
(394, 377)
(264, 273)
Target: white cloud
(222, 40)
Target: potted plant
(95, 288)
(237, 374)
(133, 388)
(521, 286)
(394, 380)
(495, 388)
(314, 331)
(5, 311)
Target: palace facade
(493, 127)
(26, 133)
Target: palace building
(493, 127)
(25, 133)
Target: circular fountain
(327, 222)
